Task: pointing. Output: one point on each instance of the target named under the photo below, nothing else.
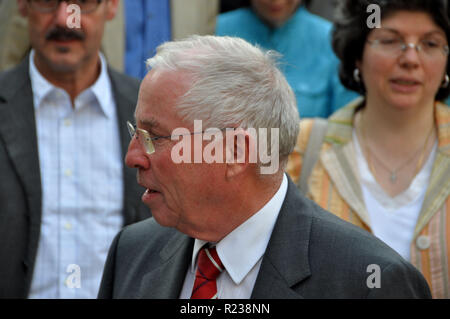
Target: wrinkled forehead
(159, 94)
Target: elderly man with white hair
(228, 228)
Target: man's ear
(22, 6)
(112, 7)
(239, 152)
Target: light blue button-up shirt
(148, 24)
(308, 62)
(82, 186)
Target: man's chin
(163, 219)
(63, 58)
(64, 63)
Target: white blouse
(393, 219)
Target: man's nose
(136, 157)
(62, 14)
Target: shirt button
(68, 226)
(423, 242)
(68, 172)
(67, 122)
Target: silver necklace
(394, 173)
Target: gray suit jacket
(311, 254)
(20, 180)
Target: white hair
(233, 83)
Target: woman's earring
(446, 82)
(357, 75)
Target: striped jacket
(334, 185)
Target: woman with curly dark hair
(383, 161)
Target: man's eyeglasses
(47, 6)
(145, 140)
(394, 45)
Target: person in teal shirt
(304, 40)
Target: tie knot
(209, 264)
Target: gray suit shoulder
(361, 259)
(5, 74)
(134, 252)
(144, 234)
(142, 242)
(14, 80)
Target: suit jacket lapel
(286, 261)
(166, 281)
(18, 131)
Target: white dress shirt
(241, 252)
(393, 219)
(82, 186)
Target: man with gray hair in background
(224, 228)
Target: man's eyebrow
(149, 123)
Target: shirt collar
(41, 87)
(254, 234)
(101, 89)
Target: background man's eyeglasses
(46, 6)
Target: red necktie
(209, 267)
